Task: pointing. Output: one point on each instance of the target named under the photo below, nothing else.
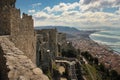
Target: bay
(110, 38)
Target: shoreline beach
(108, 38)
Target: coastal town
(105, 55)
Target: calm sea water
(109, 37)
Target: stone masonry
(14, 65)
(49, 45)
(20, 30)
(46, 41)
(17, 36)
(47, 49)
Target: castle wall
(24, 36)
(53, 42)
(46, 40)
(21, 30)
(15, 21)
(21, 38)
(61, 42)
(15, 65)
(49, 39)
(5, 21)
(3, 68)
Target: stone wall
(3, 68)
(24, 35)
(4, 21)
(21, 38)
(21, 30)
(61, 42)
(49, 39)
(14, 65)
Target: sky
(73, 13)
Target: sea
(109, 37)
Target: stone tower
(53, 42)
(47, 47)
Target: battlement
(26, 16)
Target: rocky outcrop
(14, 65)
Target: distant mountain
(63, 29)
(70, 31)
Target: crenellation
(26, 16)
(27, 24)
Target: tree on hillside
(69, 51)
(96, 61)
(114, 75)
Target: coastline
(107, 46)
(104, 53)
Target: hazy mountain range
(70, 31)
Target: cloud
(41, 14)
(118, 11)
(36, 5)
(97, 5)
(84, 5)
(88, 14)
(75, 18)
(85, 2)
(62, 7)
(118, 2)
(31, 11)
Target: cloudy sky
(74, 13)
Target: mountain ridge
(71, 32)
(59, 28)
